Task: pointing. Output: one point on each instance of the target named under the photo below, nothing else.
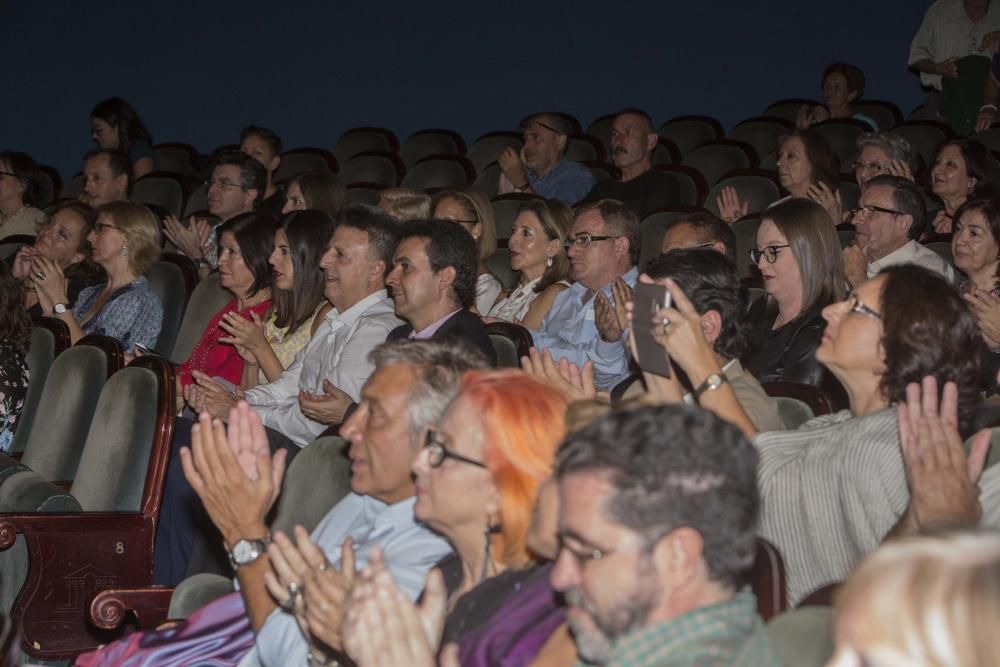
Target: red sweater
(216, 359)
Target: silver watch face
(245, 551)
(715, 380)
(59, 308)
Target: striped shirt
(830, 493)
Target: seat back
(317, 479)
(924, 136)
(814, 398)
(361, 139)
(488, 180)
(69, 398)
(691, 184)
(794, 413)
(364, 193)
(440, 171)
(715, 159)
(167, 281)
(160, 189)
(746, 238)
(486, 149)
(600, 129)
(803, 637)
(584, 148)
(690, 131)
(943, 249)
(380, 167)
(42, 352)
(208, 299)
(499, 265)
(768, 580)
(422, 143)
(761, 132)
(788, 109)
(510, 341)
(175, 158)
(197, 200)
(129, 440)
(758, 187)
(301, 160)
(843, 133)
(654, 225)
(505, 208)
(886, 114)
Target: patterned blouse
(132, 314)
(13, 390)
(287, 346)
(216, 359)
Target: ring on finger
(41, 275)
(666, 324)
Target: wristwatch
(713, 381)
(198, 263)
(60, 308)
(245, 552)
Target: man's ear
(678, 556)
(377, 270)
(904, 223)
(561, 141)
(123, 182)
(252, 195)
(622, 247)
(651, 140)
(446, 278)
(711, 326)
(274, 164)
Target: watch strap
(257, 549)
(713, 381)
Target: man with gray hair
(540, 166)
(886, 222)
(657, 532)
(412, 384)
(883, 153)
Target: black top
(788, 353)
(647, 192)
(274, 203)
(463, 327)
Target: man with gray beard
(657, 516)
(643, 189)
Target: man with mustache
(642, 189)
(540, 167)
(657, 518)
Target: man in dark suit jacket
(433, 284)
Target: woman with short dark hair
(843, 85)
(961, 171)
(115, 125)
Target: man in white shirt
(326, 376)
(890, 214)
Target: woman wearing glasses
(125, 242)
(471, 209)
(19, 194)
(961, 171)
(835, 488)
(798, 254)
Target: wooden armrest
(149, 605)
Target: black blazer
(464, 327)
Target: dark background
(309, 70)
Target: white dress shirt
(338, 353)
(914, 253)
(946, 32)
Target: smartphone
(646, 300)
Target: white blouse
(487, 290)
(516, 305)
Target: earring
(548, 261)
(491, 529)
(124, 251)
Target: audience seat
(488, 180)
(168, 282)
(364, 193)
(746, 238)
(49, 338)
(850, 194)
(989, 138)
(843, 134)
(423, 143)
(942, 248)
(817, 400)
(11, 244)
(689, 131)
(176, 158)
(440, 171)
(380, 167)
(886, 114)
(361, 139)
(47, 188)
(691, 185)
(602, 170)
(189, 273)
(302, 160)
(846, 236)
(993, 457)
(499, 265)
(654, 225)
(759, 187)
(584, 148)
(803, 637)
(666, 152)
(160, 188)
(208, 299)
(788, 109)
(197, 200)
(924, 136)
(715, 159)
(794, 413)
(74, 188)
(487, 148)
(761, 132)
(768, 580)
(511, 342)
(104, 536)
(505, 208)
(600, 129)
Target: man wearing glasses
(657, 514)
(583, 324)
(237, 185)
(887, 220)
(539, 167)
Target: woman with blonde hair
(404, 204)
(932, 601)
(471, 209)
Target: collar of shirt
(336, 319)
(579, 291)
(427, 332)
(900, 255)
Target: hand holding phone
(646, 300)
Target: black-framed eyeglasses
(584, 240)
(223, 183)
(770, 253)
(99, 227)
(862, 309)
(870, 210)
(437, 452)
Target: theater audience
(471, 209)
(584, 323)
(20, 194)
(477, 479)
(886, 225)
(843, 85)
(537, 254)
(404, 204)
(798, 254)
(833, 489)
(807, 167)
(433, 285)
(975, 249)
(961, 170)
(541, 166)
(15, 336)
(633, 140)
(321, 191)
(245, 244)
(714, 285)
(64, 241)
(927, 600)
(264, 146)
(269, 344)
(108, 175)
(236, 187)
(116, 126)
(700, 230)
(125, 242)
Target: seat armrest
(148, 606)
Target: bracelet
(991, 107)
